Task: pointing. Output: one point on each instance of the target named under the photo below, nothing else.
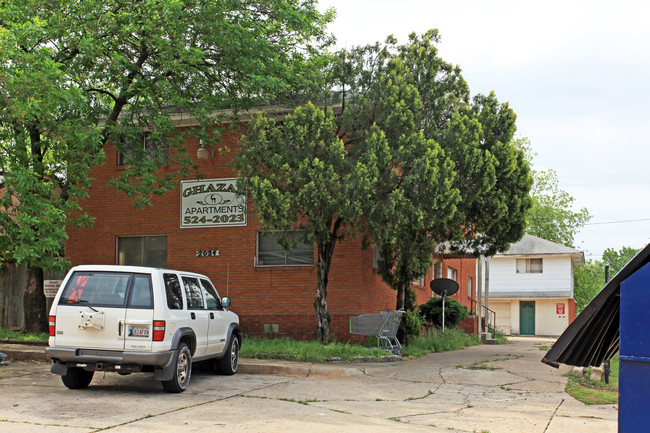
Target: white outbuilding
(531, 287)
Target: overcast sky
(576, 73)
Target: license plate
(138, 331)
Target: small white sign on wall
(50, 287)
(212, 203)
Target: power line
(605, 175)
(607, 184)
(617, 222)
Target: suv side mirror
(225, 302)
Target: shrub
(454, 312)
(411, 326)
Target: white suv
(134, 319)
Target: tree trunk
(323, 317)
(325, 252)
(401, 296)
(34, 302)
(404, 301)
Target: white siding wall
(502, 310)
(557, 274)
(514, 316)
(547, 321)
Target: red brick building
(271, 297)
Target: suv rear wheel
(182, 371)
(228, 364)
(77, 378)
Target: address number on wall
(207, 253)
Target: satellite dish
(444, 286)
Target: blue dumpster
(634, 372)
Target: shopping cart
(383, 325)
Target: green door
(527, 317)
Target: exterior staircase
(487, 338)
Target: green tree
(298, 175)
(421, 165)
(551, 216)
(618, 259)
(589, 279)
(74, 74)
(439, 167)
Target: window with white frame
(419, 281)
(529, 266)
(437, 269)
(470, 287)
(452, 274)
(271, 253)
(141, 145)
(142, 251)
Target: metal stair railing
(489, 315)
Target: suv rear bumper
(108, 357)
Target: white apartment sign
(212, 203)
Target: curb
(24, 352)
(36, 353)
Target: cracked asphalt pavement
(488, 388)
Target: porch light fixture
(202, 152)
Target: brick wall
(281, 296)
(572, 310)
(469, 324)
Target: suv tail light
(52, 325)
(158, 330)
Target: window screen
(529, 266)
(270, 253)
(139, 146)
(142, 251)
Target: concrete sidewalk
(486, 388)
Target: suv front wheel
(182, 371)
(228, 364)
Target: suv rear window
(98, 288)
(174, 294)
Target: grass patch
(303, 402)
(313, 351)
(589, 392)
(8, 334)
(482, 365)
(307, 351)
(498, 335)
(438, 341)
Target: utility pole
(487, 292)
(479, 294)
(606, 365)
